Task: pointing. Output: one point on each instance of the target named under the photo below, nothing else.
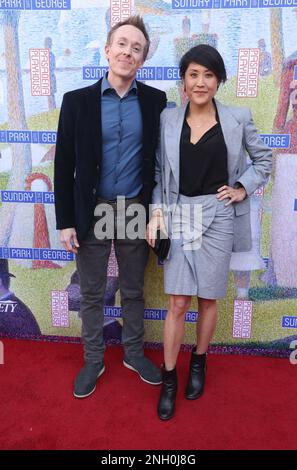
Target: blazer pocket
(242, 207)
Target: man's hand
(69, 240)
(233, 194)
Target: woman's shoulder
(172, 113)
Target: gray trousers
(92, 261)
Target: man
(106, 144)
(16, 319)
(265, 65)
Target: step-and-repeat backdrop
(48, 47)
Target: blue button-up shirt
(121, 143)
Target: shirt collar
(106, 85)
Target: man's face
(125, 53)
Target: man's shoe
(147, 371)
(85, 382)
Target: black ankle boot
(196, 380)
(166, 403)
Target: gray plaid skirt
(201, 246)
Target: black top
(203, 166)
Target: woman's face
(200, 84)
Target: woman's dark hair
(207, 56)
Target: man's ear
(106, 50)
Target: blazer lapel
(146, 114)
(172, 133)
(94, 108)
(232, 131)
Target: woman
(202, 165)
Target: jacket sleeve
(64, 167)
(163, 101)
(157, 196)
(258, 172)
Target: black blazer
(79, 152)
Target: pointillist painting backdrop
(48, 47)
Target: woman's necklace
(200, 124)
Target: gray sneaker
(85, 382)
(147, 371)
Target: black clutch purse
(162, 246)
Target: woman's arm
(157, 196)
(156, 221)
(258, 172)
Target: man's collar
(106, 85)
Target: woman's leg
(174, 328)
(173, 336)
(207, 320)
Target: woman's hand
(233, 194)
(156, 222)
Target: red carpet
(249, 403)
